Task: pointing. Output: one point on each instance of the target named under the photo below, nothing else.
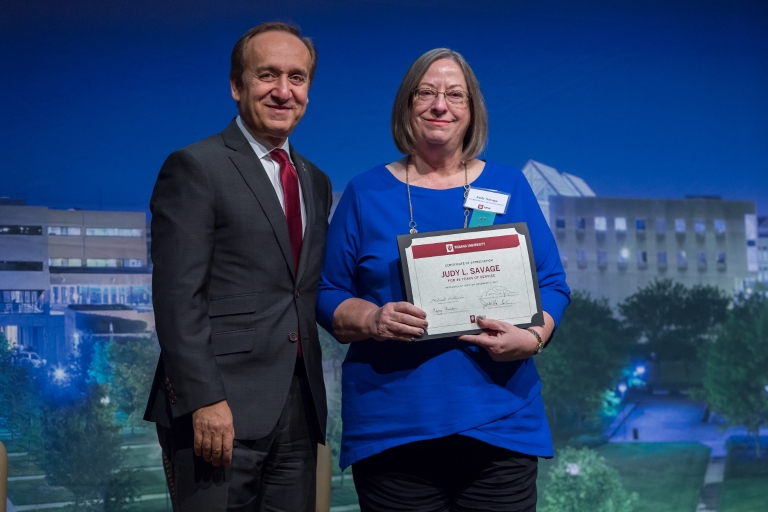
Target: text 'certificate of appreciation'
(456, 276)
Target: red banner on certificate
(465, 246)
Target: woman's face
(440, 122)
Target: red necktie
(290, 182)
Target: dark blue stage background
(641, 99)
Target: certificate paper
(456, 276)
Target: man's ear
(235, 90)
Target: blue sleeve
(342, 244)
(555, 294)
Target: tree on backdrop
(333, 354)
(82, 452)
(132, 363)
(582, 481)
(333, 351)
(736, 366)
(585, 358)
(674, 320)
(19, 396)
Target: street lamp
(60, 375)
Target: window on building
(564, 257)
(719, 226)
(700, 227)
(661, 226)
(620, 224)
(21, 301)
(661, 259)
(101, 262)
(642, 259)
(21, 266)
(680, 226)
(601, 224)
(131, 262)
(581, 223)
(682, 259)
(64, 231)
(560, 223)
(702, 261)
(640, 225)
(721, 260)
(124, 232)
(581, 258)
(65, 262)
(21, 230)
(602, 259)
(622, 257)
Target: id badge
(487, 200)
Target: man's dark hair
(239, 63)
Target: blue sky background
(640, 98)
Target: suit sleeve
(183, 222)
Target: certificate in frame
(456, 275)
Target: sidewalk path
(46, 506)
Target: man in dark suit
(238, 236)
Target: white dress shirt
(262, 148)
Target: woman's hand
(396, 321)
(357, 319)
(505, 342)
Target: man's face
(273, 95)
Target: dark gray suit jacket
(228, 304)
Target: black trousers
(453, 473)
(273, 474)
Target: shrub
(581, 481)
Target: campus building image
(610, 247)
(762, 249)
(51, 259)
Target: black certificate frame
(405, 241)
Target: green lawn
(666, 476)
(746, 481)
(343, 495)
(145, 456)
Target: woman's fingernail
(424, 315)
(481, 317)
(425, 324)
(421, 333)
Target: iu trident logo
(449, 247)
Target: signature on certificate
(447, 300)
(498, 296)
(447, 310)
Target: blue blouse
(397, 392)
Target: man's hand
(214, 433)
(396, 321)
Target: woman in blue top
(452, 423)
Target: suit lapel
(307, 191)
(255, 177)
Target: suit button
(173, 400)
(167, 381)
(297, 294)
(293, 337)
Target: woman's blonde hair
(402, 132)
